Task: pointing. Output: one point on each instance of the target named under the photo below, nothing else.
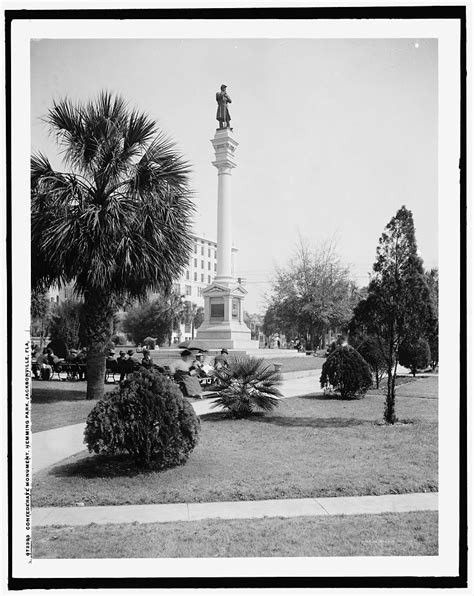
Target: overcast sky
(334, 135)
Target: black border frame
(367, 12)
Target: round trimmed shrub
(146, 417)
(347, 372)
(415, 355)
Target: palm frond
(115, 223)
(248, 384)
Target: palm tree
(116, 222)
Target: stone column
(224, 147)
(221, 330)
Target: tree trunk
(98, 321)
(389, 414)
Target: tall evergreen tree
(432, 330)
(116, 222)
(397, 306)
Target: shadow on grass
(311, 422)
(48, 396)
(101, 466)
(295, 421)
(327, 397)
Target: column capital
(224, 167)
(224, 147)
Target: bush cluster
(347, 372)
(415, 354)
(146, 417)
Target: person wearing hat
(223, 114)
(221, 360)
(185, 375)
(111, 366)
(123, 365)
(147, 361)
(183, 364)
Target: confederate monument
(223, 325)
(223, 114)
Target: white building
(200, 271)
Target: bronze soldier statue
(223, 114)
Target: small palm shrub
(415, 355)
(146, 417)
(347, 372)
(248, 385)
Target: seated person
(185, 375)
(182, 364)
(111, 362)
(71, 358)
(147, 361)
(53, 360)
(198, 365)
(45, 369)
(35, 352)
(133, 359)
(125, 365)
(81, 360)
(221, 360)
(202, 366)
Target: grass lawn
(297, 363)
(59, 403)
(391, 534)
(310, 446)
(289, 364)
(409, 385)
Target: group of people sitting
(45, 363)
(193, 371)
(126, 363)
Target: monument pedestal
(223, 325)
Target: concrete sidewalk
(175, 512)
(52, 446)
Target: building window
(215, 254)
(209, 265)
(202, 264)
(202, 250)
(195, 262)
(215, 267)
(208, 279)
(195, 276)
(188, 290)
(208, 252)
(195, 248)
(199, 291)
(187, 328)
(187, 274)
(202, 276)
